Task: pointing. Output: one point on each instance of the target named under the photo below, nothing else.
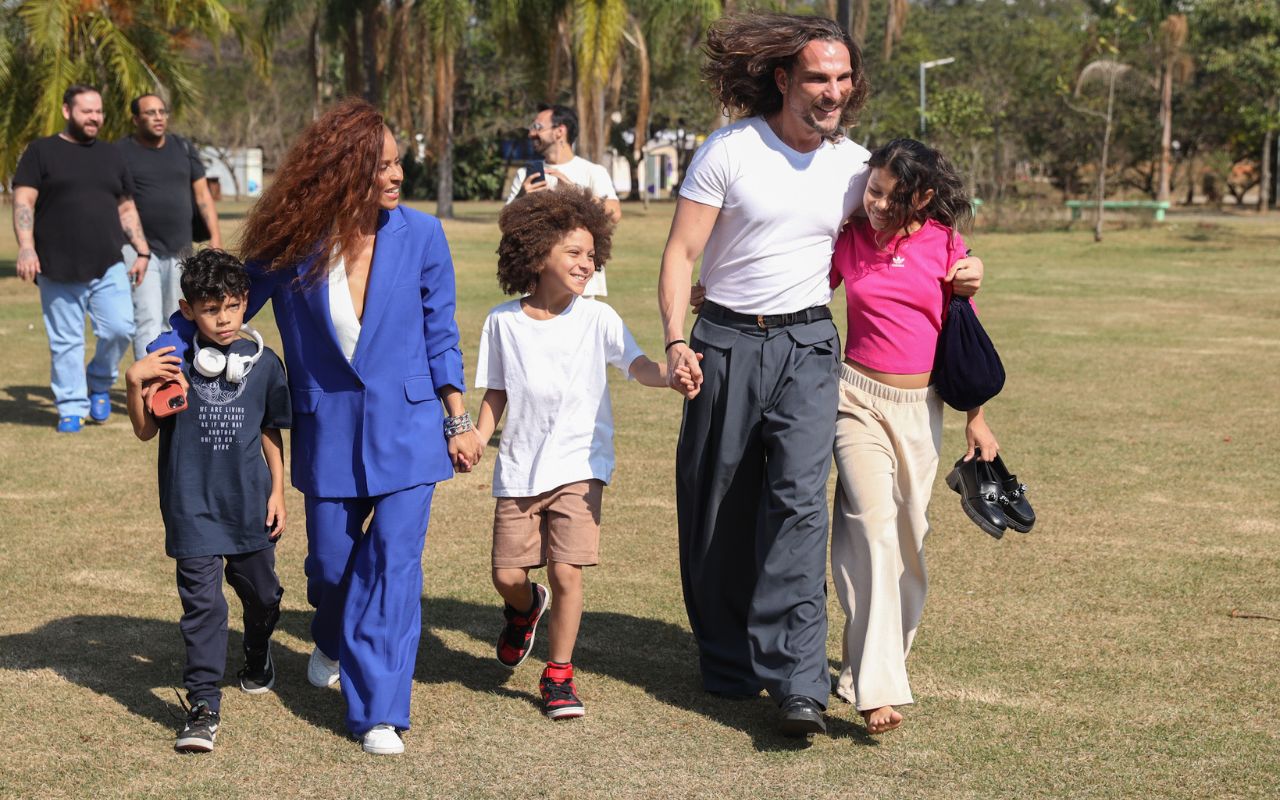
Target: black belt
(719, 313)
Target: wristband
(456, 425)
(673, 343)
(144, 256)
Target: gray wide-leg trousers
(751, 492)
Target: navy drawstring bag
(966, 367)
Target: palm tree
(447, 22)
(1174, 64)
(124, 47)
(597, 35)
(592, 33)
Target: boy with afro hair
(543, 360)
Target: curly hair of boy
(533, 224)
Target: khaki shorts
(562, 525)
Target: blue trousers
(110, 309)
(366, 588)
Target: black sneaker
(201, 729)
(559, 694)
(516, 640)
(259, 672)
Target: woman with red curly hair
(363, 293)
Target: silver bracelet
(456, 425)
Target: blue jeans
(155, 299)
(110, 309)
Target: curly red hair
(324, 193)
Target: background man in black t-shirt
(167, 179)
(72, 212)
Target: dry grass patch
(1095, 657)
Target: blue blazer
(372, 426)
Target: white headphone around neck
(212, 362)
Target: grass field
(1096, 657)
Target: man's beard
(835, 134)
(79, 133)
(149, 137)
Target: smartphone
(536, 170)
(168, 400)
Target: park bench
(1157, 207)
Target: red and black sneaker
(559, 695)
(516, 640)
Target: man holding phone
(552, 134)
(73, 211)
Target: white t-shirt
(559, 426)
(780, 211)
(583, 173)
(577, 169)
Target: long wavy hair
(323, 195)
(917, 168)
(744, 50)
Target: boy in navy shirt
(221, 474)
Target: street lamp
(924, 65)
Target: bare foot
(881, 720)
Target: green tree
(1242, 41)
(123, 47)
(597, 36)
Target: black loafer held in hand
(1013, 498)
(979, 492)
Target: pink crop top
(894, 294)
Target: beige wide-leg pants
(887, 446)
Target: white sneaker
(322, 671)
(382, 740)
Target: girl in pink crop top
(894, 266)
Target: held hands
(684, 373)
(465, 450)
(275, 516)
(965, 277)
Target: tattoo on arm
(131, 224)
(24, 218)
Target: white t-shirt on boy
(559, 421)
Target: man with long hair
(764, 198)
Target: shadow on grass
(33, 405)
(138, 663)
(655, 656)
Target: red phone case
(169, 399)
